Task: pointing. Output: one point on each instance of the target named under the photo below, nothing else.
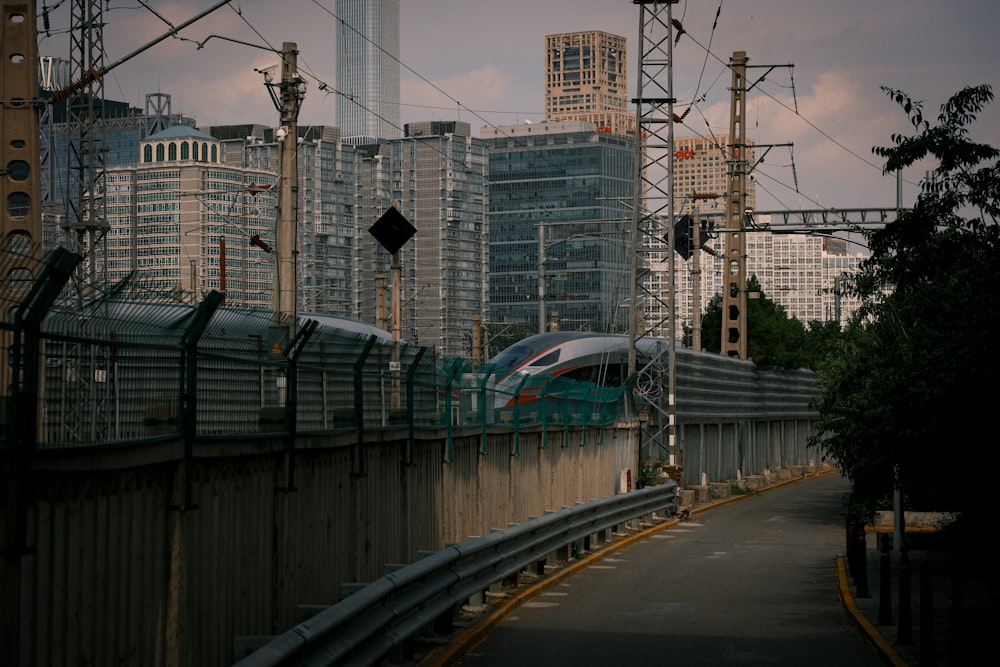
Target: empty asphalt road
(751, 582)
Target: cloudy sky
(483, 62)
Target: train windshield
(529, 348)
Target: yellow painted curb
(874, 636)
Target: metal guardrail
(366, 626)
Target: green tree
(774, 340)
(908, 393)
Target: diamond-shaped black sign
(392, 230)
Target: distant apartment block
(181, 222)
(802, 273)
(440, 181)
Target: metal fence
(106, 371)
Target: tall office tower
(368, 70)
(182, 220)
(442, 191)
(560, 226)
(585, 79)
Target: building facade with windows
(802, 273)
(439, 178)
(560, 226)
(181, 222)
(586, 79)
(330, 230)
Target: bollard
(928, 646)
(861, 547)
(852, 555)
(885, 581)
(957, 620)
(904, 631)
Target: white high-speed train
(585, 357)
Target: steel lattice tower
(85, 212)
(653, 214)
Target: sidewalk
(952, 612)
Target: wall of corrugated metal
(118, 569)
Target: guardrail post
(957, 644)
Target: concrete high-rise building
(560, 226)
(701, 166)
(331, 236)
(804, 273)
(122, 126)
(181, 220)
(440, 183)
(367, 40)
(585, 79)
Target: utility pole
(292, 91)
(734, 295)
(20, 180)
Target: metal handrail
(367, 625)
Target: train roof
(165, 316)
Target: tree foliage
(908, 392)
(774, 340)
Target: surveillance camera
(282, 132)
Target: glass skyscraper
(560, 226)
(368, 70)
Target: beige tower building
(585, 79)
(183, 222)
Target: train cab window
(547, 360)
(605, 375)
